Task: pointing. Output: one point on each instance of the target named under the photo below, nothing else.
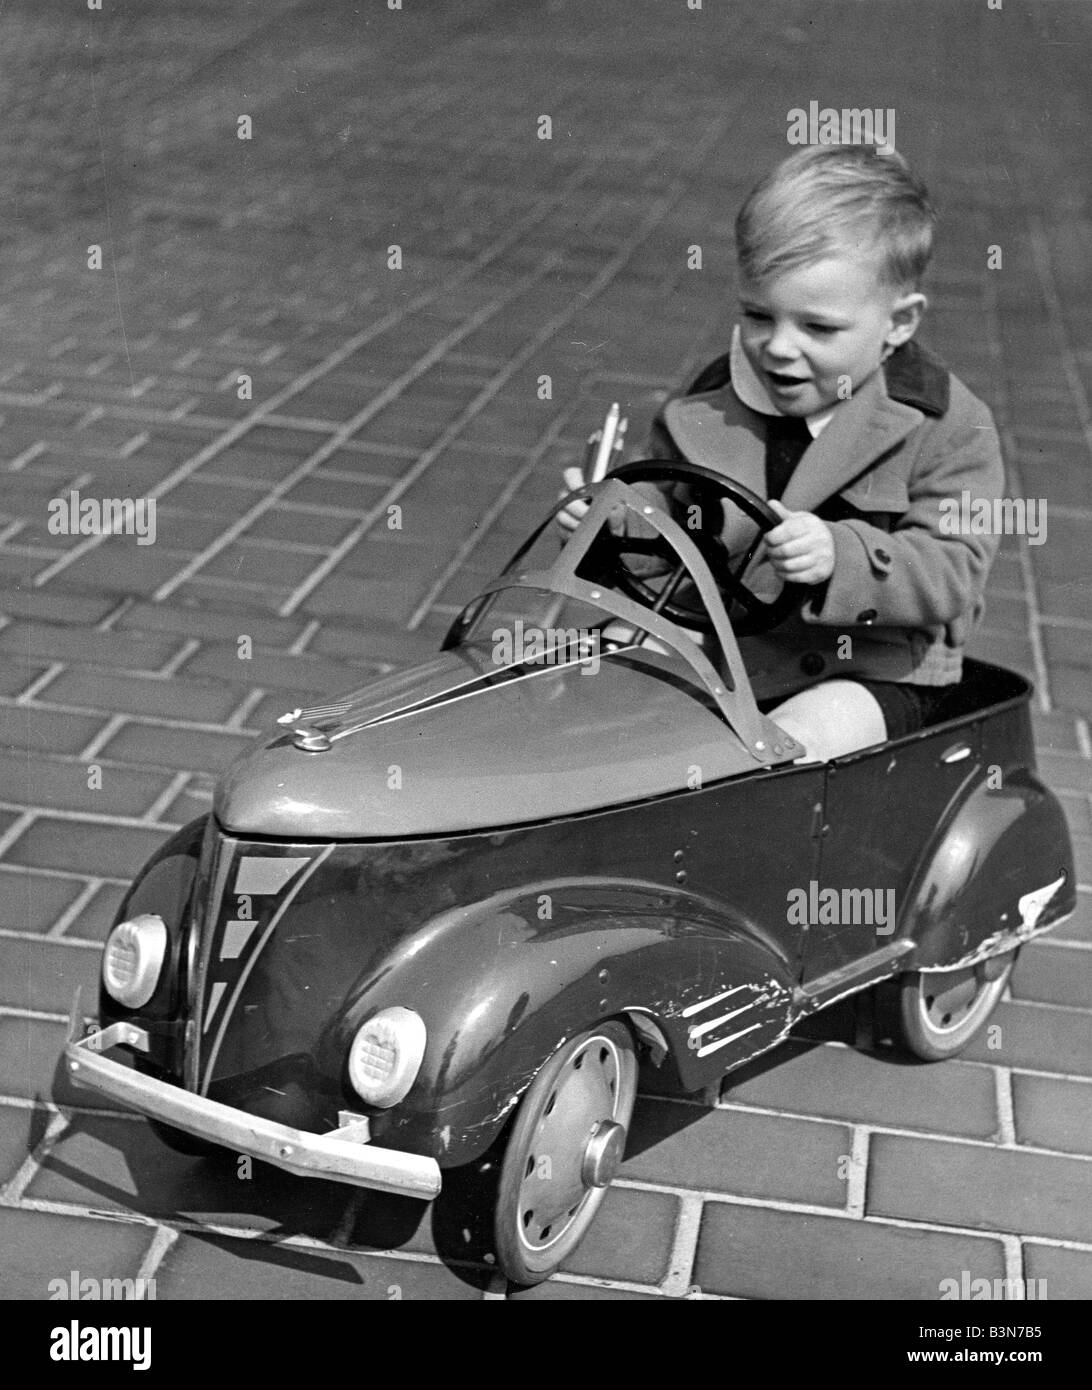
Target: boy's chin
(800, 401)
(804, 406)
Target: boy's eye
(821, 328)
(756, 314)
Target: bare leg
(832, 718)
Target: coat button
(883, 557)
(812, 664)
(868, 615)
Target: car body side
(670, 911)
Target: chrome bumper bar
(340, 1155)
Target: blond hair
(827, 199)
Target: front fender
(503, 982)
(1000, 871)
(164, 886)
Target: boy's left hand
(801, 549)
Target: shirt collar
(749, 387)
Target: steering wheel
(755, 615)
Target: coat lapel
(860, 431)
(721, 433)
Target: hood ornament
(309, 739)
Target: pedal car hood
(456, 745)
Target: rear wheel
(566, 1145)
(934, 1014)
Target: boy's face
(810, 330)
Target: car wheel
(934, 1014)
(565, 1147)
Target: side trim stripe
(708, 1003)
(723, 1042)
(712, 1023)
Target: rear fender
(502, 983)
(999, 872)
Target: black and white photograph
(545, 664)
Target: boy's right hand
(570, 517)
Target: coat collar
(716, 429)
(751, 390)
(915, 377)
(912, 374)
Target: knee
(831, 719)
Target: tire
(934, 1014)
(565, 1146)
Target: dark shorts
(907, 708)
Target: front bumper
(343, 1155)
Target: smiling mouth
(783, 379)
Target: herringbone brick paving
(373, 388)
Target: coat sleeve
(927, 571)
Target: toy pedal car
(447, 912)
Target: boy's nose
(782, 345)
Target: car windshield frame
(729, 688)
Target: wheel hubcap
(603, 1156)
(577, 1145)
(951, 997)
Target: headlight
(385, 1056)
(133, 959)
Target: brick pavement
(372, 388)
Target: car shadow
(110, 1163)
(654, 1123)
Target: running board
(848, 979)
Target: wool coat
(908, 586)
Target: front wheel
(934, 1014)
(566, 1145)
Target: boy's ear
(906, 314)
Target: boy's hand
(570, 518)
(801, 549)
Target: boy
(855, 435)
